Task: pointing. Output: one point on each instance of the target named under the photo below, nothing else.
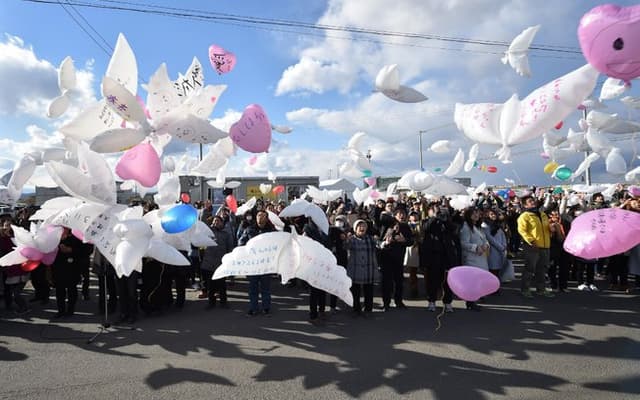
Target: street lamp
(429, 130)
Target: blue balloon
(179, 218)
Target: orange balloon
(232, 203)
(30, 265)
(492, 169)
(278, 189)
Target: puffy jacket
(534, 229)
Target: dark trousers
(368, 297)
(536, 262)
(40, 282)
(12, 294)
(619, 270)
(86, 279)
(317, 302)
(218, 286)
(436, 280)
(66, 292)
(392, 279)
(585, 268)
(128, 295)
(559, 270)
(178, 275)
(156, 292)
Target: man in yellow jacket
(533, 227)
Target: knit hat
(358, 222)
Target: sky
(320, 82)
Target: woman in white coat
(475, 247)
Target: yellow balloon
(550, 167)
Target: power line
(83, 28)
(107, 44)
(248, 20)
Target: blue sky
(317, 82)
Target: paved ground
(576, 346)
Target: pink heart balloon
(140, 163)
(31, 253)
(253, 131)
(608, 36)
(471, 283)
(221, 60)
(634, 191)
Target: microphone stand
(105, 326)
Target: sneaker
(266, 312)
(448, 308)
(545, 293)
(527, 294)
(584, 287)
(432, 307)
(251, 313)
(593, 288)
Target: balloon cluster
(487, 168)
(557, 171)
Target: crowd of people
(393, 243)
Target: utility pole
(587, 173)
(420, 147)
(202, 188)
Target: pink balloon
(253, 160)
(253, 131)
(221, 60)
(603, 233)
(49, 258)
(77, 233)
(31, 253)
(140, 163)
(545, 156)
(374, 194)
(608, 37)
(370, 180)
(472, 283)
(634, 191)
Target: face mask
(339, 224)
(412, 224)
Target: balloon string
(444, 306)
(155, 288)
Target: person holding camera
(396, 238)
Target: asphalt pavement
(577, 345)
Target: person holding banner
(362, 266)
(258, 283)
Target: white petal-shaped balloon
(611, 123)
(517, 54)
(123, 67)
(168, 164)
(631, 102)
(585, 164)
(190, 128)
(246, 206)
(456, 165)
(406, 180)
(166, 254)
(91, 121)
(388, 78)
(361, 195)
(616, 165)
(598, 142)
(202, 102)
(405, 94)
(22, 172)
(554, 138)
(421, 181)
(122, 101)
(117, 140)
(445, 186)
(441, 146)
(66, 75)
(59, 105)
(612, 88)
(12, 258)
(472, 157)
(356, 140)
(281, 129)
(168, 190)
(349, 170)
(191, 81)
(480, 122)
(633, 175)
(162, 97)
(232, 184)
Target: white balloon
(246, 206)
(303, 207)
(265, 188)
(22, 172)
(168, 190)
(191, 81)
(91, 121)
(405, 94)
(66, 75)
(388, 78)
(122, 101)
(361, 195)
(631, 102)
(584, 165)
(117, 140)
(616, 165)
(598, 142)
(232, 184)
(189, 128)
(633, 175)
(123, 67)
(281, 129)
(323, 196)
(456, 164)
(59, 105)
(162, 97)
(421, 181)
(611, 123)
(517, 54)
(440, 146)
(612, 88)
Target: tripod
(106, 325)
